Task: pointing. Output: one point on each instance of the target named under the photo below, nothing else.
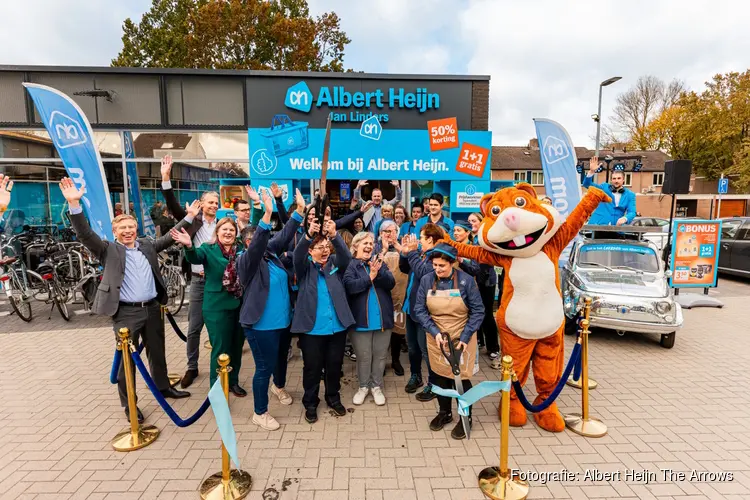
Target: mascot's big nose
(512, 220)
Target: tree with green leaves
(233, 34)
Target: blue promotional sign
(617, 248)
(466, 195)
(72, 136)
(559, 165)
(134, 189)
(724, 185)
(394, 155)
(345, 192)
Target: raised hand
(329, 228)
(181, 236)
(193, 209)
(70, 192)
(367, 206)
(267, 202)
(395, 183)
(361, 183)
(6, 185)
(375, 266)
(593, 164)
(166, 168)
(252, 194)
(276, 190)
(300, 201)
(314, 228)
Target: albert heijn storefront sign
(365, 139)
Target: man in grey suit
(131, 291)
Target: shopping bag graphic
(285, 136)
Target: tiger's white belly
(535, 311)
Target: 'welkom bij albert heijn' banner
(289, 149)
(72, 136)
(561, 180)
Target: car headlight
(663, 307)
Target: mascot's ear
(523, 186)
(485, 201)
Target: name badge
(333, 271)
(455, 294)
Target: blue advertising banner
(147, 226)
(72, 136)
(561, 179)
(466, 196)
(286, 187)
(291, 150)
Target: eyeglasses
(388, 231)
(243, 210)
(321, 248)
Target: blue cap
(463, 224)
(443, 250)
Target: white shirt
(204, 234)
(617, 197)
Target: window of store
(658, 179)
(628, 178)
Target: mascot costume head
(525, 237)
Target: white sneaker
(284, 397)
(266, 421)
(378, 396)
(360, 395)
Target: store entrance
(341, 194)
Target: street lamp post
(608, 81)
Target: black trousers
(146, 322)
(279, 373)
(445, 403)
(396, 342)
(321, 352)
(488, 332)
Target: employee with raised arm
(131, 291)
(371, 218)
(201, 231)
(621, 210)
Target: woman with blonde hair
(368, 284)
(386, 212)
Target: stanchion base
(496, 487)
(174, 379)
(125, 441)
(238, 487)
(207, 344)
(578, 383)
(588, 428)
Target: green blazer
(215, 297)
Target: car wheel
(667, 340)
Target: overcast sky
(545, 58)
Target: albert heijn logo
(299, 97)
(67, 132)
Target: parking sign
(724, 185)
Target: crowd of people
(371, 281)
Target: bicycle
(173, 279)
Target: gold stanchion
(174, 379)
(138, 435)
(229, 484)
(581, 423)
(498, 483)
(577, 383)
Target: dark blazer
(112, 257)
(469, 293)
(179, 212)
(252, 268)
(215, 296)
(357, 283)
(416, 266)
(307, 277)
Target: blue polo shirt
(326, 320)
(278, 311)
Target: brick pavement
(680, 409)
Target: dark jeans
(279, 373)
(488, 332)
(445, 403)
(321, 352)
(265, 347)
(396, 342)
(195, 322)
(146, 322)
(422, 339)
(415, 353)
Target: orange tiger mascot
(525, 237)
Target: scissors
(454, 359)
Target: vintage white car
(629, 288)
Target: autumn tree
(639, 105)
(233, 34)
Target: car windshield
(619, 256)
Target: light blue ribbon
(479, 391)
(220, 407)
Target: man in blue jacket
(621, 210)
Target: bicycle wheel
(61, 301)
(19, 301)
(176, 290)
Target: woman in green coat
(221, 296)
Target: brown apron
(450, 314)
(398, 292)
